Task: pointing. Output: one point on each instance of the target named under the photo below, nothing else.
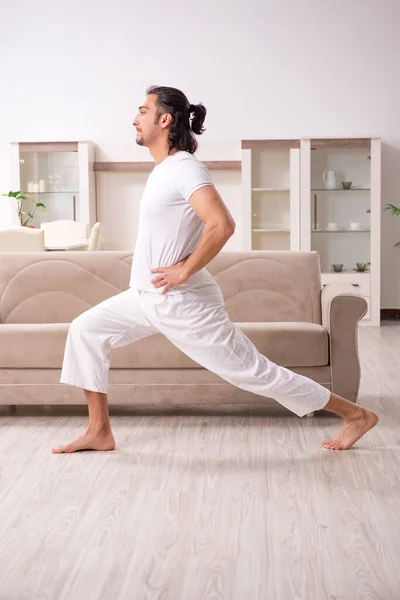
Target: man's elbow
(229, 229)
(223, 229)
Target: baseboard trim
(390, 314)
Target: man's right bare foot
(88, 441)
(353, 429)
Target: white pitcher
(329, 179)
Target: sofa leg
(311, 414)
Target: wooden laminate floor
(221, 503)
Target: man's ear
(166, 120)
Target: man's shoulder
(185, 161)
(183, 156)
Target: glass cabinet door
(340, 206)
(52, 178)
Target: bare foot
(353, 429)
(88, 441)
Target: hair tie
(191, 109)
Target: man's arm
(219, 227)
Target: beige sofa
(275, 297)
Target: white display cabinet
(341, 212)
(58, 174)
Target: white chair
(21, 239)
(96, 237)
(65, 230)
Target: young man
(183, 225)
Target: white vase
(329, 178)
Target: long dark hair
(184, 125)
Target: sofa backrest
(55, 287)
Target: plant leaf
(393, 209)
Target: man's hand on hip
(170, 276)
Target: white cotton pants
(196, 323)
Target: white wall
(263, 68)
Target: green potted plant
(25, 218)
(395, 212)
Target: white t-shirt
(169, 229)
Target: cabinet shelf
(270, 189)
(214, 165)
(340, 230)
(353, 189)
(345, 274)
(257, 230)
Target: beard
(140, 141)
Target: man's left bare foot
(353, 429)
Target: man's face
(145, 122)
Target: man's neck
(161, 151)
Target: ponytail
(200, 112)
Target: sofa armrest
(342, 307)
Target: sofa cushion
(41, 345)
